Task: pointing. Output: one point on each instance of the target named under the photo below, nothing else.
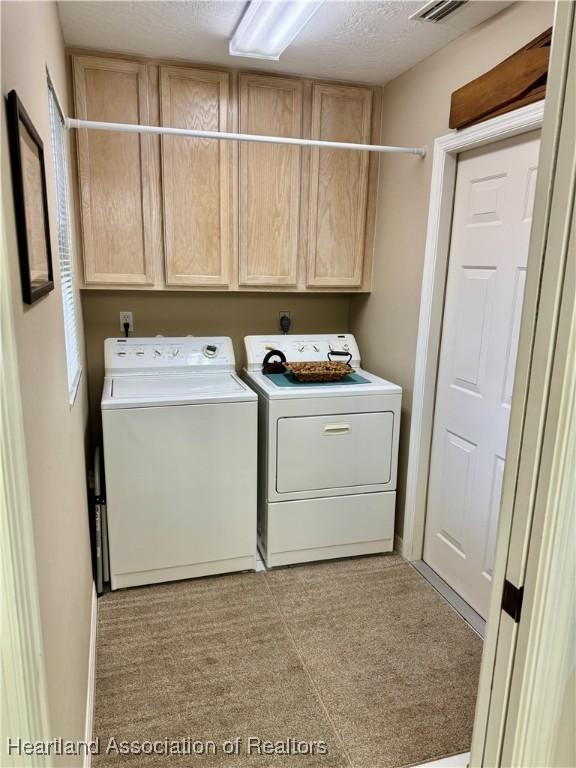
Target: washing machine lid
(149, 390)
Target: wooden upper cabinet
(196, 178)
(269, 205)
(208, 214)
(114, 170)
(338, 186)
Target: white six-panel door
(492, 214)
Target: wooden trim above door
(516, 82)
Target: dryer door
(317, 453)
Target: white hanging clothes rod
(95, 125)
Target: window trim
(69, 311)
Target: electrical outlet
(126, 317)
(284, 321)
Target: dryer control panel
(306, 348)
(168, 354)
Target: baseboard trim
(90, 688)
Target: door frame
(516, 702)
(24, 706)
(432, 298)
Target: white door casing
(522, 665)
(444, 165)
(24, 705)
(489, 245)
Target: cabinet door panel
(269, 181)
(114, 170)
(338, 186)
(196, 178)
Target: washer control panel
(307, 348)
(163, 353)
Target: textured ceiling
(370, 41)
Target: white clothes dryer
(328, 454)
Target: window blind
(58, 136)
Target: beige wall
(55, 432)
(415, 111)
(201, 314)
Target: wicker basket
(320, 371)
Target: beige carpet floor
(360, 654)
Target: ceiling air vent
(438, 10)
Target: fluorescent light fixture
(269, 26)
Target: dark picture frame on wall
(30, 202)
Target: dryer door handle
(337, 429)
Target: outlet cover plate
(126, 317)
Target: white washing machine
(180, 460)
(328, 454)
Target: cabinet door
(114, 171)
(338, 186)
(196, 178)
(269, 181)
